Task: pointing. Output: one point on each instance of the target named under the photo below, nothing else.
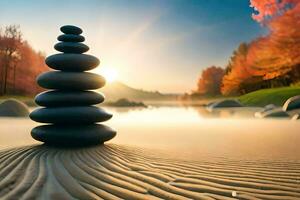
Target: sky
(156, 45)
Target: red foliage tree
(10, 42)
(267, 9)
(210, 81)
(238, 73)
(19, 64)
(271, 58)
(31, 64)
(277, 54)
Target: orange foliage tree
(266, 9)
(237, 71)
(10, 42)
(31, 64)
(277, 54)
(272, 60)
(210, 81)
(19, 64)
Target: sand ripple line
(117, 172)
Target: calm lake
(195, 132)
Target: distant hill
(117, 90)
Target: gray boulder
(228, 103)
(292, 103)
(265, 109)
(276, 113)
(13, 108)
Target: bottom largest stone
(58, 135)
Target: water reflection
(185, 112)
(155, 114)
(194, 130)
(191, 130)
(237, 112)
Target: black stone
(70, 80)
(71, 38)
(72, 62)
(71, 47)
(68, 98)
(70, 115)
(57, 135)
(70, 29)
(68, 111)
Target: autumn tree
(210, 81)
(237, 71)
(269, 9)
(19, 64)
(10, 41)
(277, 54)
(271, 60)
(31, 64)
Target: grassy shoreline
(259, 98)
(276, 96)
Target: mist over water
(192, 131)
(229, 132)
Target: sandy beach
(150, 99)
(155, 158)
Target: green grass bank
(276, 96)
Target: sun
(110, 74)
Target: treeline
(269, 61)
(19, 63)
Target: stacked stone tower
(68, 106)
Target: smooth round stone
(13, 108)
(71, 47)
(70, 80)
(70, 38)
(70, 29)
(57, 135)
(292, 103)
(72, 62)
(278, 113)
(70, 115)
(68, 98)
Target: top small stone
(70, 29)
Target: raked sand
(120, 172)
(194, 159)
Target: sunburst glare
(110, 74)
